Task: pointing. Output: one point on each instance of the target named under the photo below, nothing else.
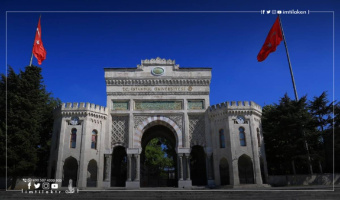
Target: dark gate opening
(198, 172)
(245, 170)
(70, 172)
(224, 172)
(118, 167)
(158, 158)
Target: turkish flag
(38, 48)
(273, 40)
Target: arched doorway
(158, 160)
(70, 171)
(245, 170)
(198, 170)
(118, 167)
(92, 170)
(224, 172)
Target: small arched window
(73, 138)
(94, 139)
(258, 137)
(222, 140)
(242, 137)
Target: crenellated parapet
(234, 108)
(82, 109)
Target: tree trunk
(293, 166)
(320, 167)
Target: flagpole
(290, 65)
(33, 44)
(31, 59)
(296, 96)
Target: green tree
(29, 122)
(321, 110)
(285, 127)
(159, 155)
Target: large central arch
(157, 120)
(161, 174)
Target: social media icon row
(271, 11)
(44, 185)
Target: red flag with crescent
(38, 47)
(273, 40)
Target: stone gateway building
(104, 147)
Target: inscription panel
(196, 105)
(118, 105)
(158, 89)
(158, 105)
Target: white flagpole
(296, 97)
(290, 65)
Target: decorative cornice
(70, 113)
(158, 82)
(154, 93)
(227, 113)
(158, 61)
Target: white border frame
(207, 190)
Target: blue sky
(80, 45)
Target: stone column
(181, 166)
(188, 166)
(256, 156)
(234, 173)
(61, 158)
(107, 175)
(208, 167)
(137, 167)
(184, 182)
(129, 167)
(212, 166)
(210, 171)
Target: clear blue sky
(80, 45)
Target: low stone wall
(315, 179)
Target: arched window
(222, 141)
(242, 137)
(94, 139)
(258, 137)
(73, 138)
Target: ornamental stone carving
(120, 127)
(178, 119)
(197, 130)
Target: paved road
(161, 194)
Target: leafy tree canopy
(286, 127)
(29, 121)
